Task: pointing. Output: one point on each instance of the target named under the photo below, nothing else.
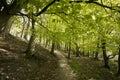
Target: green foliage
(76, 23)
(81, 23)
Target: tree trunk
(4, 18)
(69, 50)
(52, 49)
(46, 42)
(23, 28)
(66, 48)
(77, 50)
(96, 55)
(97, 48)
(32, 38)
(8, 27)
(26, 29)
(93, 54)
(40, 39)
(118, 61)
(58, 46)
(83, 52)
(106, 60)
(5, 13)
(97, 51)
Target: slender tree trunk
(52, 49)
(8, 27)
(23, 27)
(40, 39)
(97, 51)
(83, 52)
(66, 48)
(32, 38)
(69, 50)
(118, 61)
(97, 48)
(93, 54)
(58, 46)
(46, 43)
(77, 50)
(26, 29)
(106, 60)
(96, 55)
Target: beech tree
(84, 26)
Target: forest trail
(66, 73)
(15, 66)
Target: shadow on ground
(15, 66)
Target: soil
(14, 65)
(66, 71)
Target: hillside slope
(15, 66)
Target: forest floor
(14, 65)
(90, 69)
(65, 70)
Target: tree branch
(111, 56)
(97, 3)
(40, 12)
(46, 7)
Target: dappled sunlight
(59, 39)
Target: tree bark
(83, 52)
(52, 48)
(4, 18)
(96, 55)
(118, 61)
(97, 51)
(106, 60)
(8, 27)
(46, 42)
(32, 38)
(6, 12)
(69, 50)
(23, 28)
(77, 50)
(26, 29)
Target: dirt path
(15, 66)
(66, 73)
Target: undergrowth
(89, 69)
